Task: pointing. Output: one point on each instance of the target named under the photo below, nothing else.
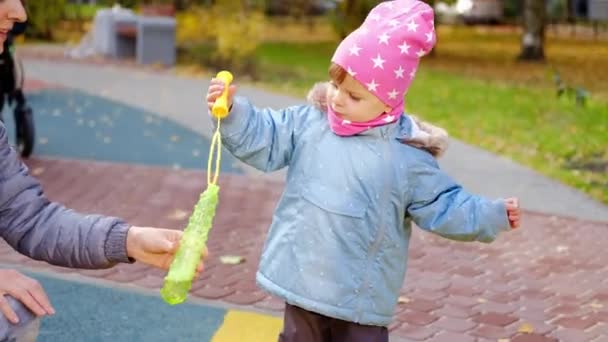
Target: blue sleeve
(440, 206)
(44, 230)
(264, 139)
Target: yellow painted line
(242, 326)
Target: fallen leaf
(37, 171)
(177, 215)
(526, 328)
(596, 305)
(504, 340)
(482, 300)
(232, 259)
(403, 300)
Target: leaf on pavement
(526, 328)
(232, 259)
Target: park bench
(149, 36)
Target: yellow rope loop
(216, 146)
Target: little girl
(360, 170)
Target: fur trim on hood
(423, 135)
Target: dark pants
(300, 325)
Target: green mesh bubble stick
(183, 268)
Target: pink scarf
(347, 128)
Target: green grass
(531, 126)
(279, 72)
(528, 124)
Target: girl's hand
(513, 212)
(216, 88)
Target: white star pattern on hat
(354, 50)
(383, 39)
(378, 62)
(399, 72)
(372, 86)
(412, 26)
(405, 48)
(393, 94)
(383, 54)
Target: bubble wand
(183, 268)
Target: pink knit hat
(383, 53)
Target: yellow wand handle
(220, 107)
(219, 110)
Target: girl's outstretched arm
(440, 205)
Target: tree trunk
(533, 39)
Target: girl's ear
(387, 109)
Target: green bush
(44, 16)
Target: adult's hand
(26, 290)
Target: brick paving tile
(455, 324)
(491, 332)
(425, 294)
(532, 338)
(533, 314)
(551, 273)
(150, 282)
(496, 307)
(496, 319)
(574, 335)
(461, 301)
(211, 292)
(416, 332)
(245, 298)
(394, 325)
(423, 305)
(272, 304)
(599, 316)
(538, 327)
(501, 297)
(125, 277)
(452, 337)
(575, 322)
(566, 309)
(417, 317)
(103, 273)
(454, 311)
